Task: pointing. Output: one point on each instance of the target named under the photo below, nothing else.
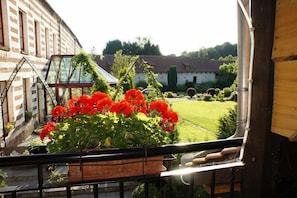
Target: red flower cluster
(133, 102)
(47, 129)
(169, 117)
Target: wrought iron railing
(40, 161)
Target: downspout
(246, 49)
(243, 54)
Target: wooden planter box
(115, 169)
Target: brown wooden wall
(284, 54)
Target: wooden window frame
(21, 31)
(2, 41)
(37, 38)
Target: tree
(123, 68)
(112, 47)
(227, 75)
(142, 46)
(172, 78)
(214, 52)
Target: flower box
(115, 169)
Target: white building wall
(182, 78)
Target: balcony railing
(38, 162)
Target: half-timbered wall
(30, 28)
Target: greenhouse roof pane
(61, 71)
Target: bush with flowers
(95, 122)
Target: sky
(174, 25)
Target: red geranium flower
(160, 106)
(73, 106)
(104, 105)
(136, 99)
(102, 102)
(47, 129)
(171, 116)
(122, 107)
(85, 105)
(59, 112)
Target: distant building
(188, 69)
(30, 29)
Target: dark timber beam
(263, 147)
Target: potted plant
(8, 127)
(28, 116)
(98, 122)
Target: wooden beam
(256, 181)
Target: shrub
(139, 191)
(189, 84)
(227, 92)
(220, 96)
(202, 87)
(211, 91)
(28, 116)
(181, 88)
(227, 124)
(170, 94)
(191, 92)
(232, 97)
(217, 90)
(172, 78)
(141, 83)
(207, 97)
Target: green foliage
(172, 78)
(85, 132)
(232, 97)
(216, 52)
(139, 191)
(112, 47)
(152, 82)
(170, 94)
(227, 124)
(220, 96)
(202, 87)
(128, 82)
(124, 69)
(89, 66)
(141, 84)
(142, 46)
(207, 97)
(189, 84)
(227, 75)
(228, 58)
(3, 175)
(28, 116)
(121, 64)
(217, 90)
(227, 91)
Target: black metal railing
(40, 161)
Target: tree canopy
(142, 46)
(215, 53)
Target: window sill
(5, 48)
(24, 52)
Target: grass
(199, 119)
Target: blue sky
(174, 25)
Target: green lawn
(193, 114)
